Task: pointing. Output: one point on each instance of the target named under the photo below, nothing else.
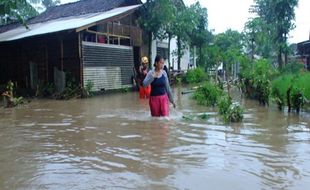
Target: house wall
(185, 60)
(44, 53)
(113, 62)
(107, 66)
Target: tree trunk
(169, 42)
(150, 49)
(288, 98)
(252, 49)
(200, 55)
(280, 62)
(179, 52)
(285, 58)
(286, 51)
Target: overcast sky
(225, 14)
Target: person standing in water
(143, 69)
(160, 89)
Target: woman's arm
(148, 79)
(168, 89)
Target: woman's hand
(174, 106)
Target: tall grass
(303, 83)
(296, 86)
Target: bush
(125, 90)
(224, 103)
(88, 89)
(262, 86)
(234, 113)
(195, 76)
(231, 112)
(210, 95)
(8, 96)
(279, 89)
(256, 80)
(296, 86)
(302, 82)
(207, 94)
(297, 99)
(293, 67)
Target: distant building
(161, 47)
(303, 52)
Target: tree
(166, 31)
(230, 46)
(200, 35)
(50, 3)
(154, 17)
(258, 38)
(214, 55)
(182, 29)
(280, 15)
(16, 10)
(21, 10)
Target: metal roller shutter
(107, 66)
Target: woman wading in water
(160, 89)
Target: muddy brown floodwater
(111, 142)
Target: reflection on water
(111, 142)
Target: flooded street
(111, 142)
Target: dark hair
(157, 59)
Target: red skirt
(159, 105)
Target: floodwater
(111, 142)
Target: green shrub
(256, 80)
(293, 67)
(224, 103)
(207, 94)
(302, 82)
(297, 99)
(125, 90)
(279, 89)
(195, 76)
(88, 92)
(262, 86)
(8, 96)
(299, 90)
(234, 113)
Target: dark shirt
(142, 73)
(158, 87)
(150, 78)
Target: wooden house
(88, 40)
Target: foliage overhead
(279, 15)
(21, 10)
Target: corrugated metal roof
(62, 24)
(80, 7)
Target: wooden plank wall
(45, 52)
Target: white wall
(174, 58)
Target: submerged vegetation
(291, 90)
(9, 99)
(209, 94)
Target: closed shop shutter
(107, 66)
